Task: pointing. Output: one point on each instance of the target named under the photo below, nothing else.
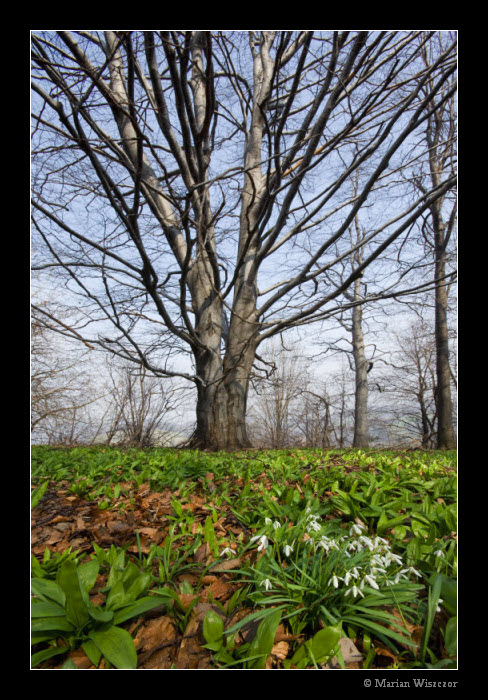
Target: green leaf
(40, 656)
(177, 508)
(68, 665)
(450, 638)
(88, 574)
(448, 592)
(117, 646)
(51, 624)
(38, 493)
(117, 597)
(380, 631)
(46, 609)
(92, 651)
(138, 586)
(213, 626)
(99, 614)
(76, 598)
(48, 590)
(138, 608)
(263, 642)
(324, 642)
(321, 647)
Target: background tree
(62, 389)
(189, 188)
(439, 224)
(274, 418)
(408, 386)
(139, 408)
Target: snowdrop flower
(367, 541)
(438, 608)
(376, 560)
(411, 570)
(334, 581)
(287, 549)
(227, 551)
(267, 584)
(347, 577)
(400, 575)
(355, 573)
(389, 557)
(371, 581)
(356, 529)
(276, 525)
(439, 553)
(268, 521)
(312, 525)
(263, 542)
(355, 591)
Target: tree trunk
(361, 437)
(222, 405)
(445, 432)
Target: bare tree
(190, 187)
(61, 390)
(313, 418)
(439, 224)
(140, 406)
(273, 421)
(409, 388)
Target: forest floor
(189, 519)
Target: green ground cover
(259, 559)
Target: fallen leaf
(226, 565)
(202, 553)
(156, 632)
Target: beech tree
(438, 227)
(191, 189)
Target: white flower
(356, 529)
(227, 551)
(366, 541)
(287, 549)
(355, 591)
(398, 576)
(263, 541)
(411, 570)
(389, 557)
(312, 525)
(371, 581)
(439, 553)
(438, 609)
(268, 521)
(267, 584)
(276, 524)
(334, 581)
